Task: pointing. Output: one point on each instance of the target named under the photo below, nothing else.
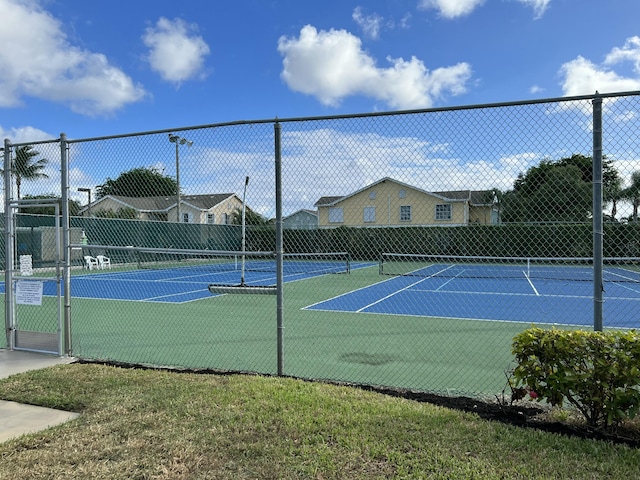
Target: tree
(139, 182)
(611, 180)
(251, 217)
(632, 193)
(25, 166)
(557, 191)
(613, 193)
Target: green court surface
(239, 333)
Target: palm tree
(26, 167)
(613, 193)
(632, 193)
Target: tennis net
(303, 263)
(625, 269)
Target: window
(369, 214)
(372, 196)
(211, 218)
(405, 213)
(186, 218)
(443, 212)
(225, 219)
(336, 215)
(402, 194)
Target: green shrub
(596, 372)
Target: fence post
(598, 232)
(279, 250)
(64, 167)
(8, 246)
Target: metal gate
(34, 271)
(33, 282)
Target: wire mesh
(492, 195)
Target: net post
(598, 232)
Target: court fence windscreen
(401, 249)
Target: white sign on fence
(26, 265)
(29, 292)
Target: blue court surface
(178, 284)
(514, 298)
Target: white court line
(351, 291)
(402, 290)
(634, 290)
(467, 319)
(448, 281)
(515, 294)
(531, 283)
(169, 295)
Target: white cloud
(24, 134)
(539, 6)
(405, 21)
(459, 8)
(451, 8)
(176, 53)
(583, 77)
(370, 24)
(331, 65)
(629, 52)
(536, 89)
(36, 60)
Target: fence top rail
(35, 142)
(346, 116)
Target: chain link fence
(414, 245)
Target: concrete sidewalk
(17, 419)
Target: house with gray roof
(301, 220)
(210, 209)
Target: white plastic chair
(103, 262)
(91, 262)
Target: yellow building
(389, 202)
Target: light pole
(173, 138)
(88, 192)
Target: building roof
(326, 201)
(474, 197)
(302, 211)
(165, 203)
(206, 202)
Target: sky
(99, 68)
(96, 68)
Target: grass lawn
(151, 424)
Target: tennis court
(523, 292)
(153, 319)
(181, 279)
